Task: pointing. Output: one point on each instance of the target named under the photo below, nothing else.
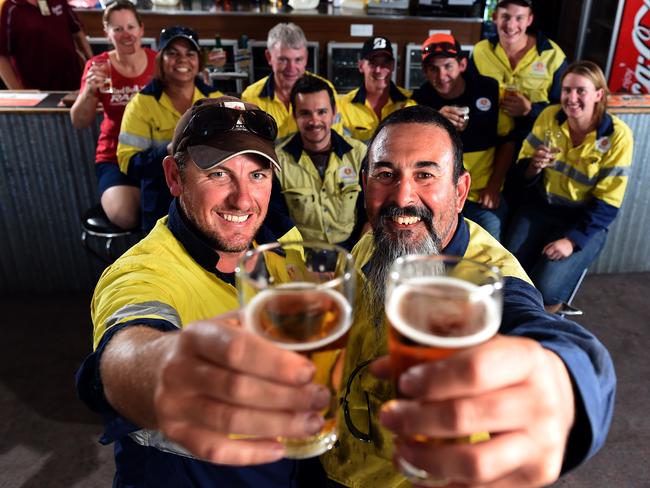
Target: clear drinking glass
(464, 112)
(553, 140)
(436, 306)
(299, 296)
(104, 65)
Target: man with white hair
(286, 53)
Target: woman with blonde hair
(576, 161)
(129, 67)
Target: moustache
(392, 211)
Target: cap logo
(235, 105)
(379, 43)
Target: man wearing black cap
(362, 109)
(170, 383)
(471, 103)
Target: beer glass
(511, 89)
(463, 111)
(299, 296)
(436, 306)
(104, 65)
(553, 141)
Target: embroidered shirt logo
(483, 104)
(603, 144)
(538, 68)
(347, 174)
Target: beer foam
(253, 310)
(476, 294)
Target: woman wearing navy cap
(150, 118)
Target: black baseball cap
(168, 34)
(376, 45)
(214, 130)
(523, 3)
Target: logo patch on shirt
(603, 144)
(348, 175)
(57, 10)
(538, 68)
(483, 104)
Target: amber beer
(433, 317)
(313, 321)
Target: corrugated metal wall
(627, 248)
(48, 181)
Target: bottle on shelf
(216, 56)
(243, 55)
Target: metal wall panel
(627, 249)
(46, 184)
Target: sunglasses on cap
(169, 33)
(440, 47)
(216, 120)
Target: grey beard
(385, 252)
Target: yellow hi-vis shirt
(262, 94)
(359, 118)
(150, 119)
(159, 280)
(359, 464)
(537, 74)
(322, 209)
(597, 168)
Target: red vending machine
(630, 66)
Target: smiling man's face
(410, 188)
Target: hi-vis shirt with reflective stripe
(149, 122)
(596, 169)
(359, 118)
(262, 94)
(158, 280)
(363, 465)
(537, 74)
(323, 209)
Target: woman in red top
(131, 68)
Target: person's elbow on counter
(8, 75)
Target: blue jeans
(492, 220)
(531, 229)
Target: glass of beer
(553, 141)
(299, 296)
(104, 65)
(436, 306)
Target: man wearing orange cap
(471, 103)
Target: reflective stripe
(533, 140)
(153, 438)
(614, 171)
(571, 172)
(134, 310)
(135, 141)
(565, 202)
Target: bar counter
(48, 181)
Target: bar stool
(95, 224)
(567, 309)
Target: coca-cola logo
(641, 40)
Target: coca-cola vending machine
(629, 69)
